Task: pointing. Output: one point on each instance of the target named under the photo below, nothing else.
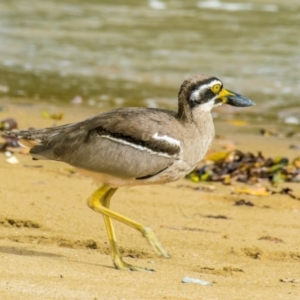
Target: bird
(134, 146)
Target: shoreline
(52, 245)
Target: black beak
(238, 100)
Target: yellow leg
(99, 202)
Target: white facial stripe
(207, 106)
(209, 85)
(167, 139)
(196, 93)
(212, 83)
(141, 148)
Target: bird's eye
(216, 88)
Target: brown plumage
(136, 146)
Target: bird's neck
(184, 111)
(197, 115)
(203, 120)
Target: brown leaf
(243, 202)
(262, 191)
(271, 239)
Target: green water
(115, 53)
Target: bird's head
(204, 93)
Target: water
(116, 53)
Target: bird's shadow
(21, 251)
(26, 252)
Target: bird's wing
(126, 143)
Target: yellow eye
(216, 88)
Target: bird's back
(127, 142)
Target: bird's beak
(234, 99)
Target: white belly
(176, 171)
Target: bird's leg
(99, 202)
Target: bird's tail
(27, 138)
(34, 137)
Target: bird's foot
(155, 243)
(120, 264)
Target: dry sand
(52, 246)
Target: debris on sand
(195, 280)
(8, 124)
(229, 166)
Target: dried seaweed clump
(228, 166)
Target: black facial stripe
(205, 97)
(194, 86)
(153, 145)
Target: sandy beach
(52, 246)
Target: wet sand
(52, 246)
